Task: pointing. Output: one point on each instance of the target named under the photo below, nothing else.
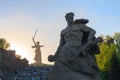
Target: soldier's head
(69, 17)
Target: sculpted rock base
(61, 72)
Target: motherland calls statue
(75, 56)
(37, 47)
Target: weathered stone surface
(75, 56)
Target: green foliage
(4, 44)
(104, 75)
(106, 51)
(117, 38)
(114, 71)
(103, 59)
(117, 41)
(108, 37)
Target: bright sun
(20, 50)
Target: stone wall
(9, 63)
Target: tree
(106, 60)
(117, 38)
(114, 72)
(106, 51)
(107, 48)
(4, 44)
(18, 56)
(117, 41)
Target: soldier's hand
(51, 58)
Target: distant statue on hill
(75, 55)
(37, 47)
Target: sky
(19, 20)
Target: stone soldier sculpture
(74, 58)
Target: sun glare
(20, 51)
